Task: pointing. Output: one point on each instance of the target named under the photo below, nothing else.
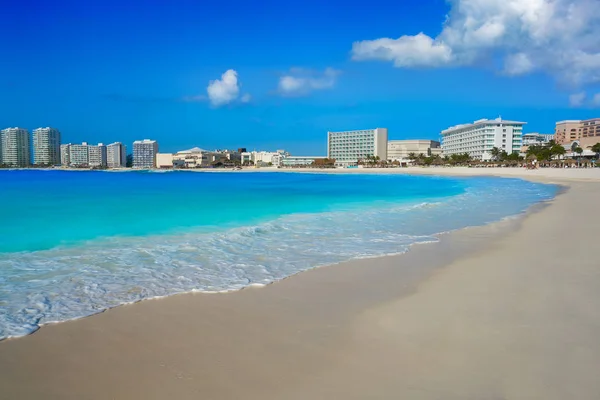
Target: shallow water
(75, 243)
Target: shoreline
(329, 316)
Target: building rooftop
(483, 122)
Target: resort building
(401, 149)
(46, 146)
(348, 147)
(79, 155)
(264, 158)
(164, 160)
(567, 131)
(15, 147)
(537, 139)
(97, 155)
(144, 153)
(480, 137)
(299, 161)
(116, 155)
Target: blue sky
(107, 72)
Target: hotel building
(348, 147)
(116, 155)
(144, 153)
(97, 155)
(65, 155)
(480, 137)
(46, 146)
(400, 149)
(15, 147)
(536, 139)
(567, 131)
(79, 155)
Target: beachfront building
(480, 137)
(263, 158)
(567, 132)
(116, 155)
(144, 153)
(46, 146)
(402, 149)
(97, 156)
(79, 155)
(164, 160)
(348, 147)
(65, 155)
(15, 147)
(299, 161)
(537, 139)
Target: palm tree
(596, 149)
(412, 156)
(495, 152)
(578, 150)
(557, 150)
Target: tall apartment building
(480, 137)
(400, 149)
(46, 146)
(116, 155)
(144, 153)
(15, 147)
(65, 155)
(79, 155)
(97, 155)
(348, 147)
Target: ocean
(75, 243)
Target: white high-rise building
(46, 146)
(97, 155)
(116, 155)
(348, 147)
(15, 147)
(144, 153)
(79, 155)
(65, 155)
(480, 137)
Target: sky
(279, 74)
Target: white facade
(530, 139)
(264, 157)
(116, 155)
(79, 155)
(144, 153)
(348, 147)
(65, 155)
(97, 155)
(164, 160)
(46, 146)
(299, 161)
(15, 147)
(479, 138)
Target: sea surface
(75, 243)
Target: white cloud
(225, 90)
(577, 99)
(559, 37)
(246, 98)
(301, 81)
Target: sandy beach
(505, 311)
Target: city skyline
(183, 78)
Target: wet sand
(506, 311)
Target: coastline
(291, 329)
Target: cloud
(246, 98)
(559, 37)
(577, 99)
(225, 90)
(301, 81)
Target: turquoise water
(75, 243)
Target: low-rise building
(299, 161)
(537, 139)
(263, 158)
(402, 149)
(164, 160)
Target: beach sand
(506, 311)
